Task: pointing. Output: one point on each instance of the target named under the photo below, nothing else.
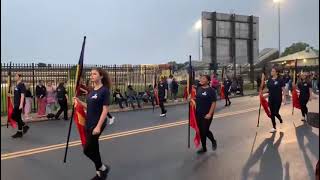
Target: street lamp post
(278, 4)
(197, 27)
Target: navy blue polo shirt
(204, 98)
(304, 87)
(227, 84)
(275, 89)
(96, 99)
(18, 90)
(162, 87)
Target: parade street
(140, 145)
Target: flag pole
(190, 89)
(9, 89)
(294, 80)
(78, 74)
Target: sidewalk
(115, 108)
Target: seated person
(132, 96)
(119, 98)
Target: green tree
(295, 47)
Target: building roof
(305, 54)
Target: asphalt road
(143, 146)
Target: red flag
(12, 122)
(295, 98)
(264, 104)
(80, 119)
(193, 120)
(222, 92)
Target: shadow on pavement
(303, 132)
(270, 161)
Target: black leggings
(303, 103)
(63, 108)
(91, 148)
(163, 110)
(204, 128)
(226, 95)
(274, 109)
(16, 115)
(109, 115)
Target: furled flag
(295, 97)
(10, 121)
(80, 120)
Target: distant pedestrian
(62, 96)
(41, 93)
(28, 103)
(305, 88)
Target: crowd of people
(95, 97)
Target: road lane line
(111, 136)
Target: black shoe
(226, 105)
(104, 174)
(25, 129)
(17, 135)
(201, 151)
(214, 145)
(229, 103)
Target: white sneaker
(162, 115)
(273, 130)
(111, 120)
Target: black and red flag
(191, 91)
(78, 110)
(295, 97)
(263, 101)
(222, 96)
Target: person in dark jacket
(305, 88)
(41, 93)
(174, 88)
(119, 98)
(162, 94)
(227, 87)
(62, 96)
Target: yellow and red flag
(80, 118)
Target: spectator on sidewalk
(28, 104)
(174, 89)
(119, 98)
(41, 92)
(214, 83)
(62, 97)
(240, 84)
(132, 97)
(51, 99)
(169, 82)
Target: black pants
(226, 95)
(274, 109)
(303, 103)
(91, 148)
(161, 101)
(63, 108)
(16, 115)
(204, 128)
(109, 115)
(120, 100)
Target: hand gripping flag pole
(78, 75)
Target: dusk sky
(137, 31)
